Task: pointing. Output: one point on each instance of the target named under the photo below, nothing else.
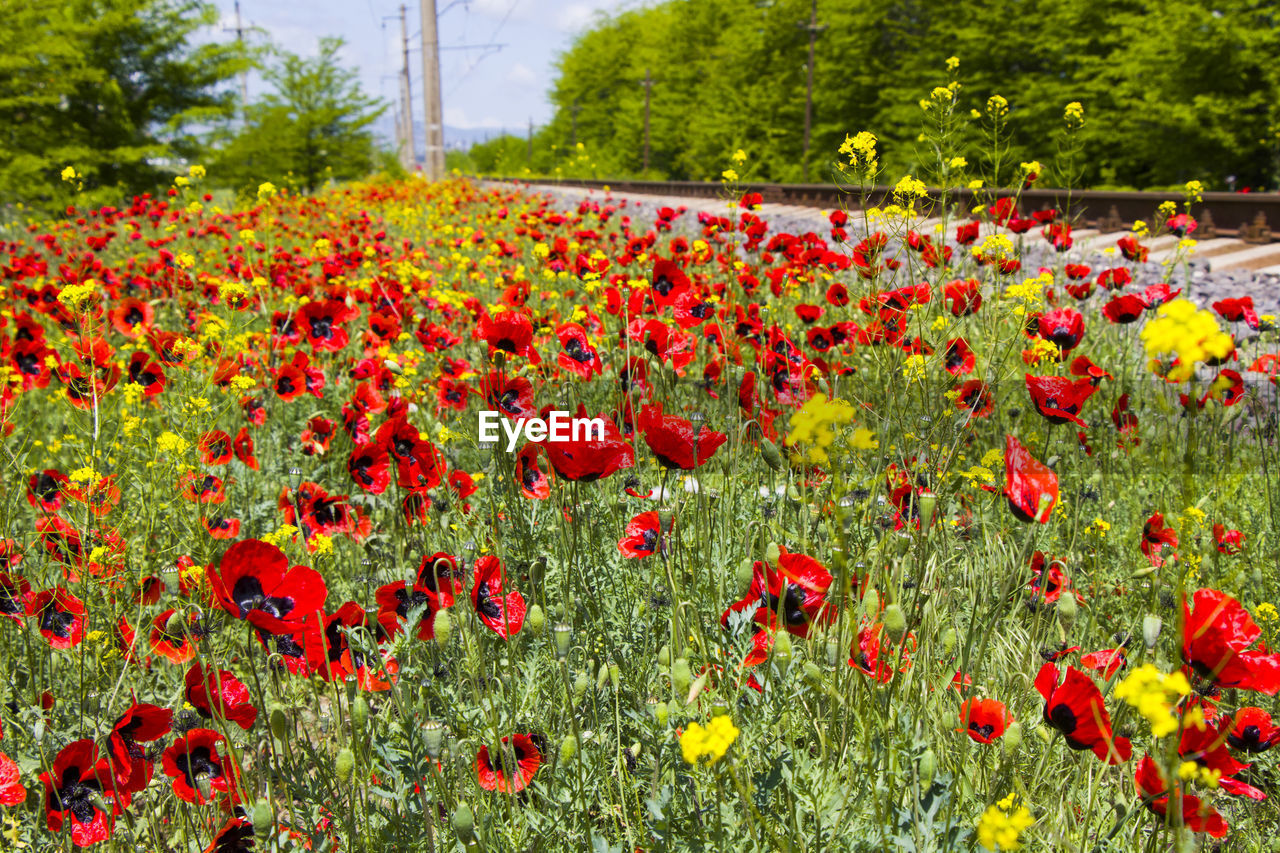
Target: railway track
(1234, 230)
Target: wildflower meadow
(928, 530)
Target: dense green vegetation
(1172, 90)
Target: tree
(315, 125)
(111, 87)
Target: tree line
(1172, 90)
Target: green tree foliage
(111, 87)
(1172, 89)
(314, 126)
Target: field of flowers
(890, 543)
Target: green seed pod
(562, 633)
(769, 451)
(661, 712)
(1151, 626)
(464, 823)
(782, 646)
(927, 767)
(359, 713)
(279, 723)
(681, 676)
(344, 764)
(745, 570)
(536, 620)
(1012, 738)
(442, 626)
(263, 819)
(1067, 609)
(580, 685)
(433, 734)
(833, 651)
(793, 495)
(615, 676)
(664, 656)
(871, 603)
(948, 641)
(602, 677)
(895, 623)
(568, 748)
(928, 503)
(537, 571)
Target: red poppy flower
(12, 791)
(218, 693)
(173, 638)
(1075, 708)
(59, 616)
(675, 441)
(579, 356)
(984, 720)
(206, 489)
(253, 581)
(1105, 663)
(644, 536)
(534, 483)
(1206, 745)
(369, 467)
(141, 723)
(1253, 731)
(1228, 541)
(589, 457)
(15, 593)
(395, 602)
(1155, 536)
(45, 490)
(957, 357)
(1155, 295)
(1114, 278)
(1059, 399)
(1062, 326)
(1048, 578)
(976, 398)
(1132, 249)
(512, 769)
(1236, 310)
(510, 332)
(1124, 309)
(669, 282)
(1082, 365)
(1198, 816)
(132, 317)
(322, 321)
(870, 655)
(290, 383)
(503, 614)
(512, 396)
(1216, 639)
(795, 589)
(1030, 486)
(199, 772)
(80, 782)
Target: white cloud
(521, 75)
(517, 9)
(575, 17)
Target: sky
(484, 89)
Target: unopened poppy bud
(263, 819)
(433, 735)
(1151, 626)
(664, 656)
(344, 764)
(580, 685)
(661, 713)
(442, 626)
(927, 767)
(537, 571)
(895, 623)
(393, 365)
(204, 785)
(745, 571)
(696, 690)
(772, 553)
(1067, 609)
(536, 620)
(782, 646)
(568, 748)
(562, 633)
(463, 821)
(812, 673)
(681, 677)
(871, 603)
(1012, 737)
(602, 677)
(359, 713)
(615, 676)
(37, 731)
(279, 723)
(770, 454)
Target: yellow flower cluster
(1099, 527)
(284, 534)
(1031, 291)
(910, 188)
(861, 151)
(1194, 190)
(1154, 694)
(1190, 771)
(997, 106)
(1074, 114)
(811, 426)
(1266, 612)
(171, 443)
(994, 246)
(74, 295)
(711, 742)
(1001, 825)
(1189, 333)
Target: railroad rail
(1247, 217)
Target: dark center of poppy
(1062, 718)
(200, 763)
(133, 316)
(75, 795)
(486, 604)
(284, 385)
(577, 352)
(321, 327)
(55, 621)
(984, 731)
(792, 605)
(248, 595)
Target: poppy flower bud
(812, 673)
(602, 677)
(948, 641)
(263, 819)
(615, 676)
(537, 571)
(769, 451)
(562, 633)
(772, 554)
(344, 764)
(697, 688)
(536, 620)
(463, 821)
(433, 734)
(1012, 737)
(927, 767)
(871, 603)
(580, 685)
(1067, 609)
(359, 713)
(442, 626)
(782, 646)
(1151, 626)
(661, 712)
(37, 732)
(745, 570)
(793, 494)
(568, 748)
(279, 723)
(393, 365)
(895, 623)
(664, 656)
(681, 677)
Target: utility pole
(238, 29)
(814, 30)
(648, 86)
(409, 153)
(431, 91)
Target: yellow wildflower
(711, 742)
(1001, 825)
(1154, 694)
